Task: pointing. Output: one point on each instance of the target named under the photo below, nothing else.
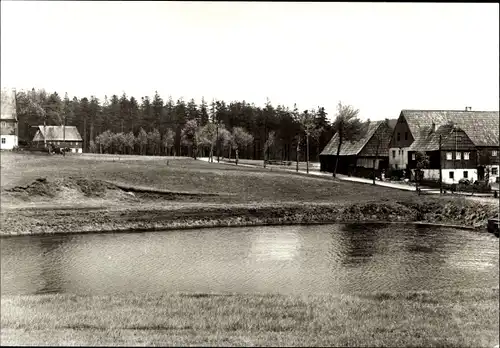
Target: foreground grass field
(442, 319)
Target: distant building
(356, 157)
(59, 136)
(417, 130)
(9, 124)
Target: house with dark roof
(358, 156)
(8, 120)
(59, 136)
(450, 151)
(419, 131)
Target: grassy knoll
(444, 319)
(43, 194)
(244, 183)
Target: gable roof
(452, 138)
(351, 148)
(8, 102)
(55, 133)
(482, 127)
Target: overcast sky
(379, 57)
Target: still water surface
(279, 259)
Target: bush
(463, 185)
(464, 182)
(482, 186)
(395, 173)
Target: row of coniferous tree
(153, 126)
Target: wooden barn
(357, 157)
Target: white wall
(459, 174)
(493, 177)
(401, 158)
(10, 142)
(433, 174)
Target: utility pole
(45, 129)
(440, 168)
(307, 150)
(64, 131)
(298, 149)
(217, 140)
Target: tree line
(154, 126)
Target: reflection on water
(285, 259)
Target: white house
(8, 120)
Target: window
(449, 156)
(398, 138)
(466, 155)
(458, 155)
(393, 153)
(452, 175)
(396, 166)
(406, 135)
(494, 153)
(3, 140)
(466, 174)
(413, 158)
(3, 124)
(494, 171)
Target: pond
(341, 258)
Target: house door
(480, 173)
(383, 164)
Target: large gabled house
(8, 120)
(450, 150)
(357, 157)
(59, 136)
(418, 130)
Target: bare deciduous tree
(348, 127)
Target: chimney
(468, 108)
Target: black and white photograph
(249, 173)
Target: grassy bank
(444, 319)
(47, 194)
(176, 215)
